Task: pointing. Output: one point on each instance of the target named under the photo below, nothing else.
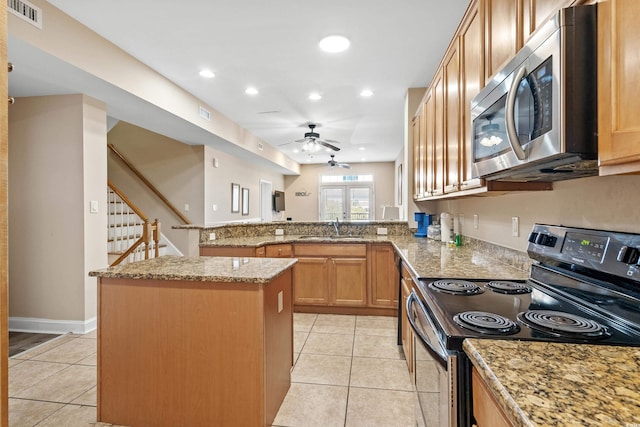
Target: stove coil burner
(509, 287)
(562, 324)
(456, 287)
(486, 323)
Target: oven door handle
(434, 353)
(510, 117)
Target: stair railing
(131, 219)
(151, 187)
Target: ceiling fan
(333, 163)
(312, 141)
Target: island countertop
(201, 269)
(554, 384)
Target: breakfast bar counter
(194, 341)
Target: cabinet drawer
(330, 249)
(278, 251)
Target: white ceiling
(273, 46)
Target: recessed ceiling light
(334, 44)
(251, 91)
(366, 93)
(207, 73)
(361, 148)
(314, 96)
(295, 150)
(363, 159)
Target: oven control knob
(546, 240)
(628, 255)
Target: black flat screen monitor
(278, 201)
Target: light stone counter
(201, 269)
(551, 384)
(424, 257)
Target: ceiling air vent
(27, 11)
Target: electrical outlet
(186, 207)
(382, 231)
(461, 219)
(515, 226)
(279, 232)
(476, 221)
(212, 236)
(215, 207)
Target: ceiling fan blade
(302, 140)
(344, 165)
(332, 141)
(326, 144)
(286, 143)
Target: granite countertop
(201, 269)
(553, 384)
(424, 257)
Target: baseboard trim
(34, 324)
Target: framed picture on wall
(235, 198)
(245, 201)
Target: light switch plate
(93, 206)
(515, 226)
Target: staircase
(131, 236)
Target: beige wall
(609, 203)
(175, 169)
(57, 165)
(305, 208)
(218, 187)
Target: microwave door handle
(510, 118)
(427, 344)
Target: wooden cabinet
(330, 274)
(452, 140)
(618, 89)
(471, 82)
(184, 353)
(535, 12)
(438, 134)
(428, 142)
(407, 332)
(419, 149)
(383, 276)
(283, 250)
(486, 411)
(502, 37)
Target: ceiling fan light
(334, 44)
(251, 91)
(366, 93)
(315, 96)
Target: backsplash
(394, 228)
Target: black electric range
(584, 287)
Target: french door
(346, 202)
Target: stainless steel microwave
(536, 120)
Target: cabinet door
(240, 251)
(472, 78)
(451, 118)
(536, 12)
(427, 155)
(349, 281)
(417, 125)
(407, 332)
(618, 88)
(278, 251)
(438, 134)
(502, 38)
(485, 408)
(384, 276)
(310, 279)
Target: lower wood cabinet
(384, 276)
(486, 411)
(330, 274)
(407, 332)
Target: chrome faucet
(335, 226)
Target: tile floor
(348, 372)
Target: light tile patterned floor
(348, 372)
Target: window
(347, 197)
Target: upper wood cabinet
(618, 89)
(419, 161)
(438, 134)
(472, 81)
(452, 140)
(428, 142)
(502, 37)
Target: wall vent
(204, 113)
(27, 11)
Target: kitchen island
(553, 384)
(194, 341)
